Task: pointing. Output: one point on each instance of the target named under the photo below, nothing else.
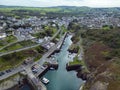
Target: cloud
(47, 3)
(102, 3)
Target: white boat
(45, 80)
(51, 68)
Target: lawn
(41, 34)
(10, 39)
(7, 40)
(17, 58)
(76, 62)
(18, 45)
(38, 57)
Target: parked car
(2, 73)
(34, 70)
(8, 70)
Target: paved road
(56, 34)
(13, 71)
(25, 48)
(18, 50)
(34, 79)
(41, 61)
(8, 45)
(13, 43)
(27, 68)
(39, 85)
(51, 50)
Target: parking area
(38, 69)
(5, 72)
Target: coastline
(17, 86)
(82, 86)
(26, 84)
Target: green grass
(7, 40)
(42, 10)
(48, 31)
(79, 62)
(64, 29)
(12, 47)
(76, 62)
(106, 28)
(41, 34)
(38, 57)
(17, 58)
(40, 50)
(10, 39)
(18, 45)
(27, 43)
(26, 12)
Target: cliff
(102, 57)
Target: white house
(2, 35)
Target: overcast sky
(48, 3)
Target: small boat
(51, 68)
(45, 80)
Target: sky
(49, 3)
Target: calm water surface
(61, 79)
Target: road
(39, 85)
(13, 71)
(8, 45)
(13, 43)
(41, 61)
(51, 50)
(25, 48)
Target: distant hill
(4, 6)
(57, 11)
(71, 8)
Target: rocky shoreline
(15, 82)
(10, 82)
(22, 86)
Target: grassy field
(76, 62)
(41, 34)
(20, 12)
(7, 40)
(18, 45)
(17, 58)
(10, 39)
(11, 78)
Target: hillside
(49, 11)
(102, 56)
(41, 11)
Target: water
(25, 87)
(61, 79)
